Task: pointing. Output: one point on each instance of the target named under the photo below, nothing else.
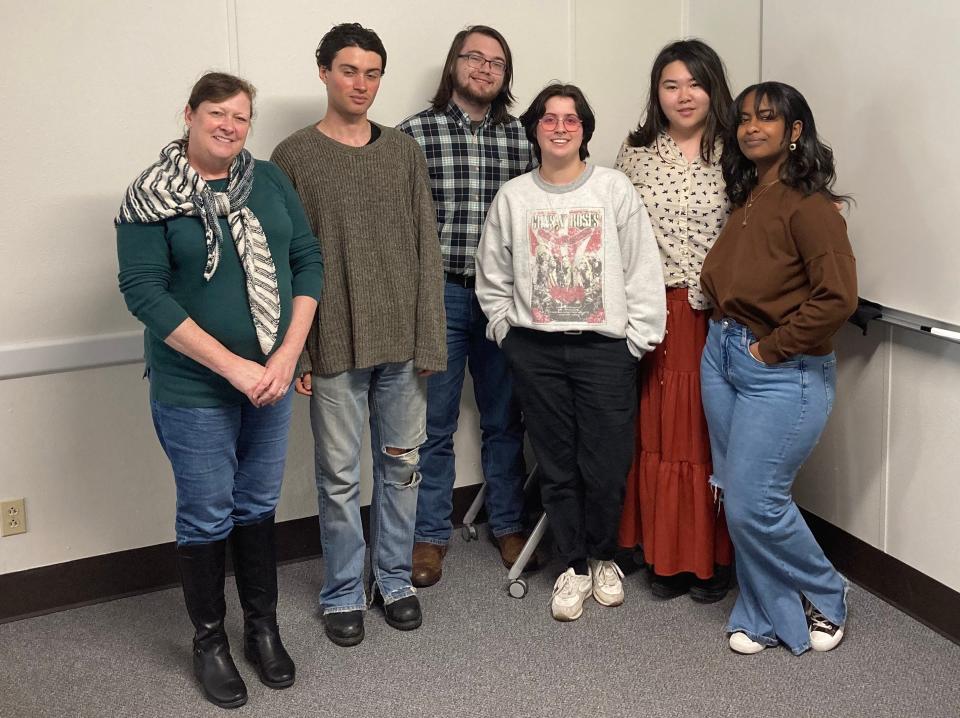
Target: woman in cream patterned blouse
(673, 159)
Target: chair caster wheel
(518, 588)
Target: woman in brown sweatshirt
(782, 279)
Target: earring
(793, 146)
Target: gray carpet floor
(481, 653)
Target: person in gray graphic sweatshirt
(569, 276)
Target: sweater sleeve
(820, 235)
(495, 271)
(281, 158)
(642, 277)
(145, 269)
(306, 258)
(430, 351)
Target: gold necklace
(753, 199)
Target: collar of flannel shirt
(461, 117)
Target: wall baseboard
(921, 597)
(37, 591)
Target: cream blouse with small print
(687, 206)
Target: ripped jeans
(396, 398)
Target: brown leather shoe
(510, 546)
(427, 563)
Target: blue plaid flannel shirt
(466, 171)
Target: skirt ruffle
(670, 508)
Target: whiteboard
(881, 78)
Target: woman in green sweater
(218, 261)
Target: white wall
(91, 90)
(732, 28)
(886, 469)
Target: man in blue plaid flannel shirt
(472, 145)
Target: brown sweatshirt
(789, 274)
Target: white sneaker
(569, 593)
(742, 643)
(607, 586)
(824, 636)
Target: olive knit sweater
(371, 209)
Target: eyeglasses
(476, 61)
(571, 123)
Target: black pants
(578, 393)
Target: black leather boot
(202, 574)
(255, 567)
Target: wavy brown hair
(808, 168)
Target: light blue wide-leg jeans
(764, 421)
(396, 399)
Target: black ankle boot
(255, 568)
(202, 574)
(668, 587)
(344, 628)
(713, 589)
(404, 614)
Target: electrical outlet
(13, 518)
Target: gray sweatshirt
(575, 257)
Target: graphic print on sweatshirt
(566, 263)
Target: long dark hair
(808, 168)
(538, 107)
(707, 69)
(499, 108)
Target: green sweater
(372, 211)
(161, 277)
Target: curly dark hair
(707, 69)
(809, 168)
(538, 108)
(349, 34)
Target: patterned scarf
(172, 188)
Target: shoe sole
(422, 583)
(405, 625)
(345, 642)
(825, 648)
(751, 649)
(269, 684)
(667, 593)
(611, 603)
(568, 619)
(228, 705)
(701, 596)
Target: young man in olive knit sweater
(380, 329)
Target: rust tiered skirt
(669, 507)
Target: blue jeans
(501, 449)
(764, 421)
(227, 463)
(396, 398)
